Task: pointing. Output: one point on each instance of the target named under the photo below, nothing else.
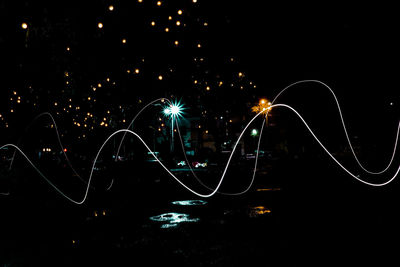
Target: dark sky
(340, 43)
(352, 47)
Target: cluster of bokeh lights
(175, 109)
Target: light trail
(174, 120)
(255, 163)
(215, 190)
(134, 118)
(58, 139)
(79, 202)
(344, 125)
(39, 172)
(333, 157)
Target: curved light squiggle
(233, 151)
(344, 125)
(215, 190)
(333, 157)
(58, 139)
(133, 120)
(79, 202)
(174, 120)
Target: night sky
(221, 55)
(342, 44)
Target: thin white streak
(344, 125)
(125, 131)
(330, 154)
(58, 139)
(79, 202)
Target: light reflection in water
(268, 189)
(196, 202)
(258, 211)
(173, 219)
(168, 225)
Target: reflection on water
(196, 202)
(168, 225)
(258, 211)
(173, 219)
(268, 189)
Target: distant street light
(263, 105)
(173, 111)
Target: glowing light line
(134, 118)
(174, 118)
(150, 151)
(255, 164)
(215, 190)
(330, 154)
(58, 139)
(39, 172)
(344, 125)
(111, 184)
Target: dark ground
(319, 217)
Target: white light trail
(344, 125)
(58, 139)
(331, 155)
(215, 190)
(79, 202)
(134, 118)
